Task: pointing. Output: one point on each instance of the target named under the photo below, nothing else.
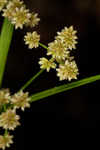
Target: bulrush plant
(58, 57)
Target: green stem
(62, 88)
(34, 77)
(31, 80)
(5, 41)
(6, 132)
(44, 46)
(4, 107)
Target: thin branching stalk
(44, 46)
(31, 80)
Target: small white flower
(68, 37)
(2, 4)
(9, 119)
(46, 64)
(33, 21)
(67, 71)
(32, 39)
(4, 96)
(10, 9)
(20, 100)
(58, 50)
(20, 17)
(5, 141)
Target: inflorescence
(18, 14)
(9, 120)
(60, 52)
(59, 59)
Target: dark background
(78, 108)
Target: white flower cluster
(59, 50)
(9, 120)
(19, 15)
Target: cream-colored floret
(4, 96)
(20, 100)
(5, 141)
(68, 37)
(2, 4)
(9, 119)
(67, 71)
(58, 50)
(32, 39)
(46, 64)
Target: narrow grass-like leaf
(62, 88)
(5, 41)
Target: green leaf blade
(62, 88)
(5, 41)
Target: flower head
(33, 20)
(11, 7)
(58, 50)
(20, 17)
(20, 100)
(60, 53)
(2, 4)
(68, 71)
(4, 96)
(9, 119)
(13, 4)
(68, 37)
(17, 13)
(5, 141)
(32, 39)
(46, 64)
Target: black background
(78, 108)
